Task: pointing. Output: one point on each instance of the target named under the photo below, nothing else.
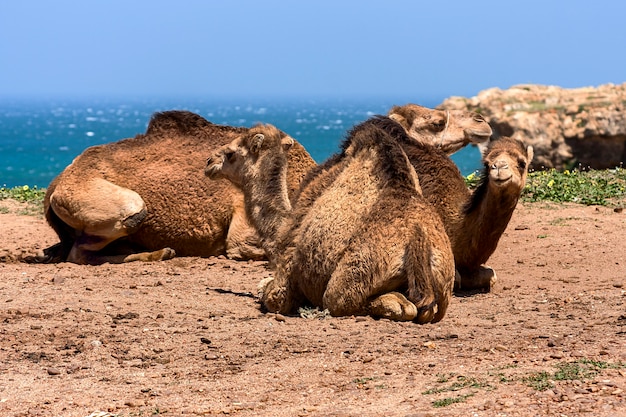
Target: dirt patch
(187, 337)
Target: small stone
(279, 317)
(54, 371)
(618, 209)
(73, 368)
(134, 403)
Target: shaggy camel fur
(474, 221)
(368, 244)
(145, 198)
(449, 130)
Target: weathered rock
(567, 128)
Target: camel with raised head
(146, 198)
(368, 244)
(474, 221)
(449, 130)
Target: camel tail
(428, 281)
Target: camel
(146, 198)
(473, 221)
(369, 243)
(449, 130)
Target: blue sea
(39, 138)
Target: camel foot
(54, 254)
(481, 279)
(393, 306)
(158, 255)
(262, 285)
(272, 296)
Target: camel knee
(341, 303)
(99, 208)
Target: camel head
(506, 162)
(449, 130)
(241, 158)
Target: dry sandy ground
(186, 336)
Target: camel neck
(483, 224)
(268, 207)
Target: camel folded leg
(242, 240)
(281, 293)
(393, 306)
(100, 213)
(482, 278)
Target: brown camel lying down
(361, 239)
(146, 198)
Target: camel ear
(256, 142)
(400, 119)
(530, 152)
(287, 143)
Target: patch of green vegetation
(540, 381)
(568, 371)
(23, 194)
(451, 400)
(365, 380)
(459, 383)
(562, 221)
(592, 187)
(32, 196)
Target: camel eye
(439, 125)
(522, 164)
(479, 118)
(229, 155)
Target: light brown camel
(474, 221)
(449, 130)
(146, 198)
(368, 244)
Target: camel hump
(387, 136)
(177, 121)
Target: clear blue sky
(301, 48)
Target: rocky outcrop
(568, 128)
